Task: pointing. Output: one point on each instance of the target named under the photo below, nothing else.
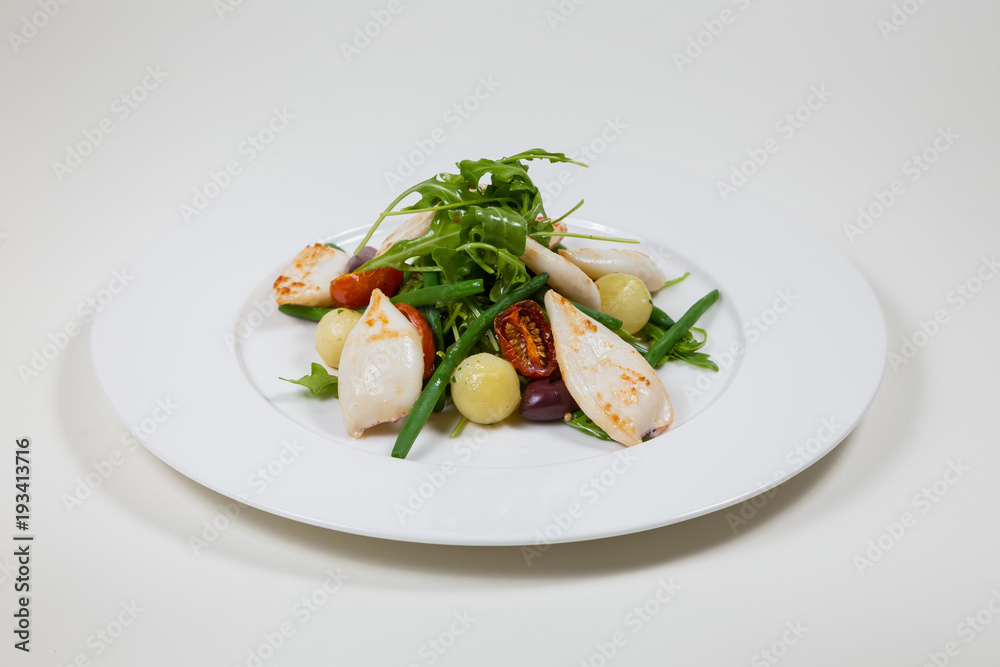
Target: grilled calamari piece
(381, 367)
(564, 276)
(556, 240)
(413, 228)
(611, 382)
(306, 281)
(599, 262)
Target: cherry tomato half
(354, 290)
(426, 337)
(526, 340)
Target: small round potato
(626, 298)
(331, 332)
(485, 388)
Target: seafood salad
(474, 305)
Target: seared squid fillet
(599, 262)
(611, 382)
(306, 281)
(564, 276)
(413, 228)
(381, 367)
(556, 240)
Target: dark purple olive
(546, 401)
(366, 254)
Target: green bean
(661, 319)
(665, 343)
(433, 317)
(610, 322)
(426, 296)
(631, 340)
(439, 381)
(314, 313)
(429, 296)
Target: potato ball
(485, 388)
(331, 332)
(626, 298)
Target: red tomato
(426, 336)
(526, 340)
(354, 290)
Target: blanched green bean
(665, 343)
(314, 313)
(431, 295)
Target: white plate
(798, 333)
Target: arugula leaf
(699, 359)
(690, 343)
(443, 234)
(542, 154)
(455, 265)
(675, 280)
(442, 189)
(510, 188)
(473, 172)
(501, 228)
(318, 382)
(511, 272)
(582, 422)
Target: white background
(795, 560)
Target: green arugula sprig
(510, 188)
(319, 382)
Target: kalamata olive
(545, 401)
(365, 255)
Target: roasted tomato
(526, 339)
(354, 290)
(426, 337)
